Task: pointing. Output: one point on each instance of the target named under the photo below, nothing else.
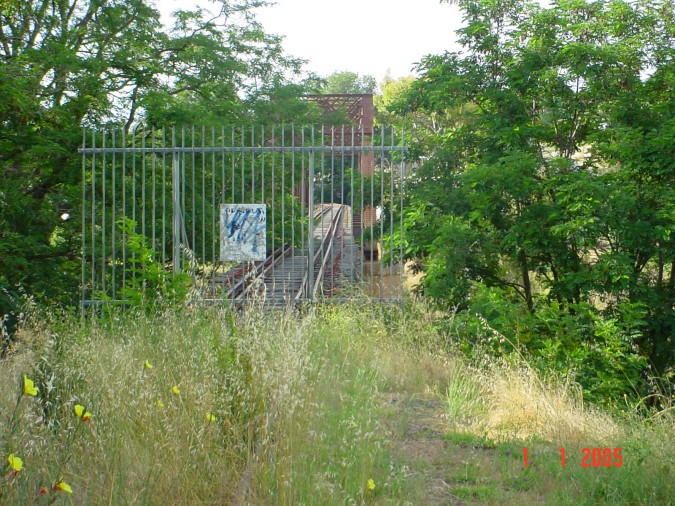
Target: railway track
(285, 276)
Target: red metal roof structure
(359, 109)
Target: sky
(364, 36)
(370, 37)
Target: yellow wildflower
(148, 365)
(160, 404)
(210, 417)
(15, 463)
(175, 390)
(82, 413)
(63, 486)
(29, 386)
(371, 484)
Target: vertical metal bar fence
(152, 208)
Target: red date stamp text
(590, 457)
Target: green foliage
(348, 82)
(68, 63)
(285, 104)
(391, 91)
(147, 281)
(596, 349)
(552, 183)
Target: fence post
(310, 234)
(177, 225)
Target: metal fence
(159, 206)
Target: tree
(69, 63)
(349, 82)
(553, 184)
(391, 90)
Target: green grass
(308, 408)
(496, 476)
(513, 408)
(295, 400)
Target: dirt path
(451, 468)
(418, 427)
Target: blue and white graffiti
(243, 232)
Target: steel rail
(326, 240)
(242, 287)
(328, 250)
(237, 149)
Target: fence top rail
(243, 149)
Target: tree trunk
(525, 272)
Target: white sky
(364, 36)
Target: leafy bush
(148, 281)
(595, 348)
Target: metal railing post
(310, 234)
(177, 225)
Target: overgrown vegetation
(541, 218)
(66, 64)
(545, 205)
(507, 408)
(196, 405)
(147, 283)
(210, 406)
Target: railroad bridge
(284, 213)
(329, 262)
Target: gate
(286, 213)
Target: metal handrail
(328, 238)
(243, 286)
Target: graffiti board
(243, 232)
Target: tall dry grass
(518, 404)
(256, 407)
(149, 440)
(274, 407)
